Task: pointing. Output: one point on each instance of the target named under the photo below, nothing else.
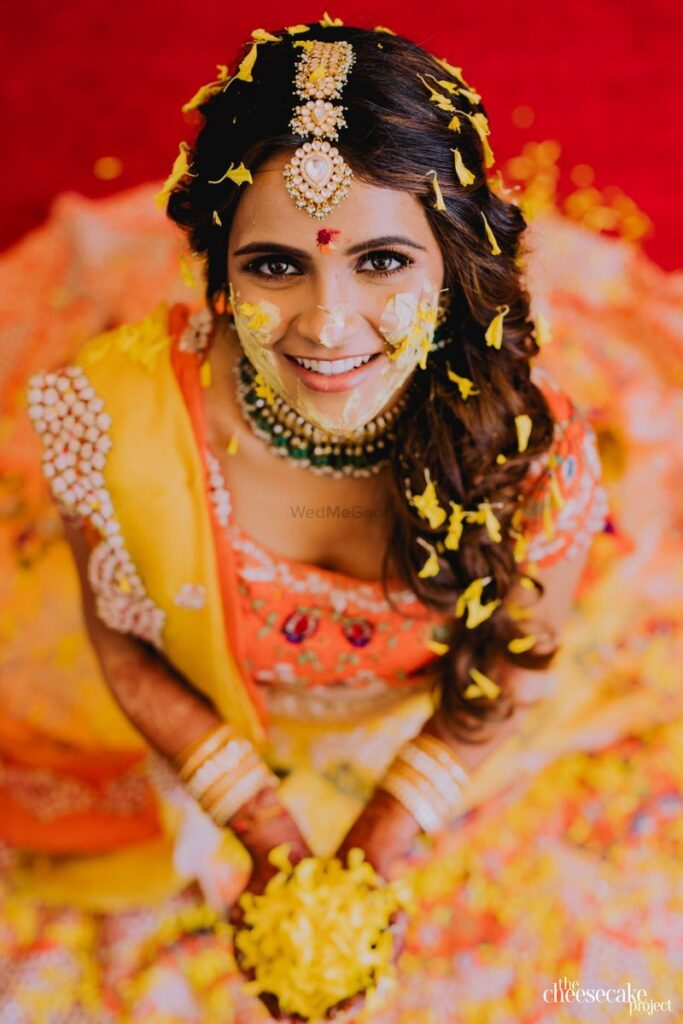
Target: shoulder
(563, 500)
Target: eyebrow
(372, 243)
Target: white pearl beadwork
(70, 418)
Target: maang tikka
(317, 176)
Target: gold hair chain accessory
(427, 778)
(223, 771)
(317, 176)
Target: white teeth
(329, 369)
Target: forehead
(267, 211)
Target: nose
(328, 319)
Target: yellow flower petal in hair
(486, 516)
(495, 248)
(427, 504)
(465, 385)
(439, 204)
(232, 445)
(383, 28)
(521, 644)
(237, 174)
(436, 647)
(455, 124)
(455, 527)
(304, 44)
(465, 176)
(431, 566)
(441, 101)
(450, 87)
(494, 331)
(259, 35)
(180, 168)
(483, 686)
(327, 22)
(295, 30)
(247, 65)
(470, 600)
(456, 72)
(216, 219)
(202, 94)
(523, 428)
(470, 95)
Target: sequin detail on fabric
(72, 423)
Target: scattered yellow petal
(294, 30)
(523, 427)
(521, 644)
(455, 527)
(237, 174)
(483, 686)
(456, 72)
(427, 504)
(501, 459)
(466, 177)
(495, 248)
(435, 96)
(216, 219)
(431, 566)
(527, 582)
(470, 599)
(494, 331)
(471, 95)
(465, 385)
(436, 647)
(263, 390)
(450, 87)
(486, 516)
(327, 22)
(204, 93)
(439, 204)
(205, 374)
(232, 445)
(186, 272)
(247, 66)
(519, 612)
(260, 35)
(455, 123)
(383, 28)
(180, 168)
(521, 544)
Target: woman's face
(359, 287)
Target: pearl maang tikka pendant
(317, 176)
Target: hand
(384, 831)
(260, 837)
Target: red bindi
(325, 239)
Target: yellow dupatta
(156, 479)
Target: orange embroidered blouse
(337, 638)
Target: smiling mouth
(333, 367)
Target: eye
(386, 262)
(276, 267)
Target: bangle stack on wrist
(427, 778)
(223, 771)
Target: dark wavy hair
(395, 136)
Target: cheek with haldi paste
(256, 323)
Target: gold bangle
(224, 761)
(226, 781)
(428, 791)
(437, 775)
(400, 788)
(194, 754)
(251, 784)
(442, 753)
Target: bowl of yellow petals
(320, 932)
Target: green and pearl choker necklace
(290, 435)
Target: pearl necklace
(290, 435)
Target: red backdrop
(85, 80)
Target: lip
(341, 382)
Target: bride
(330, 525)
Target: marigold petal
(259, 35)
(439, 203)
(523, 426)
(494, 331)
(465, 176)
(521, 644)
(495, 248)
